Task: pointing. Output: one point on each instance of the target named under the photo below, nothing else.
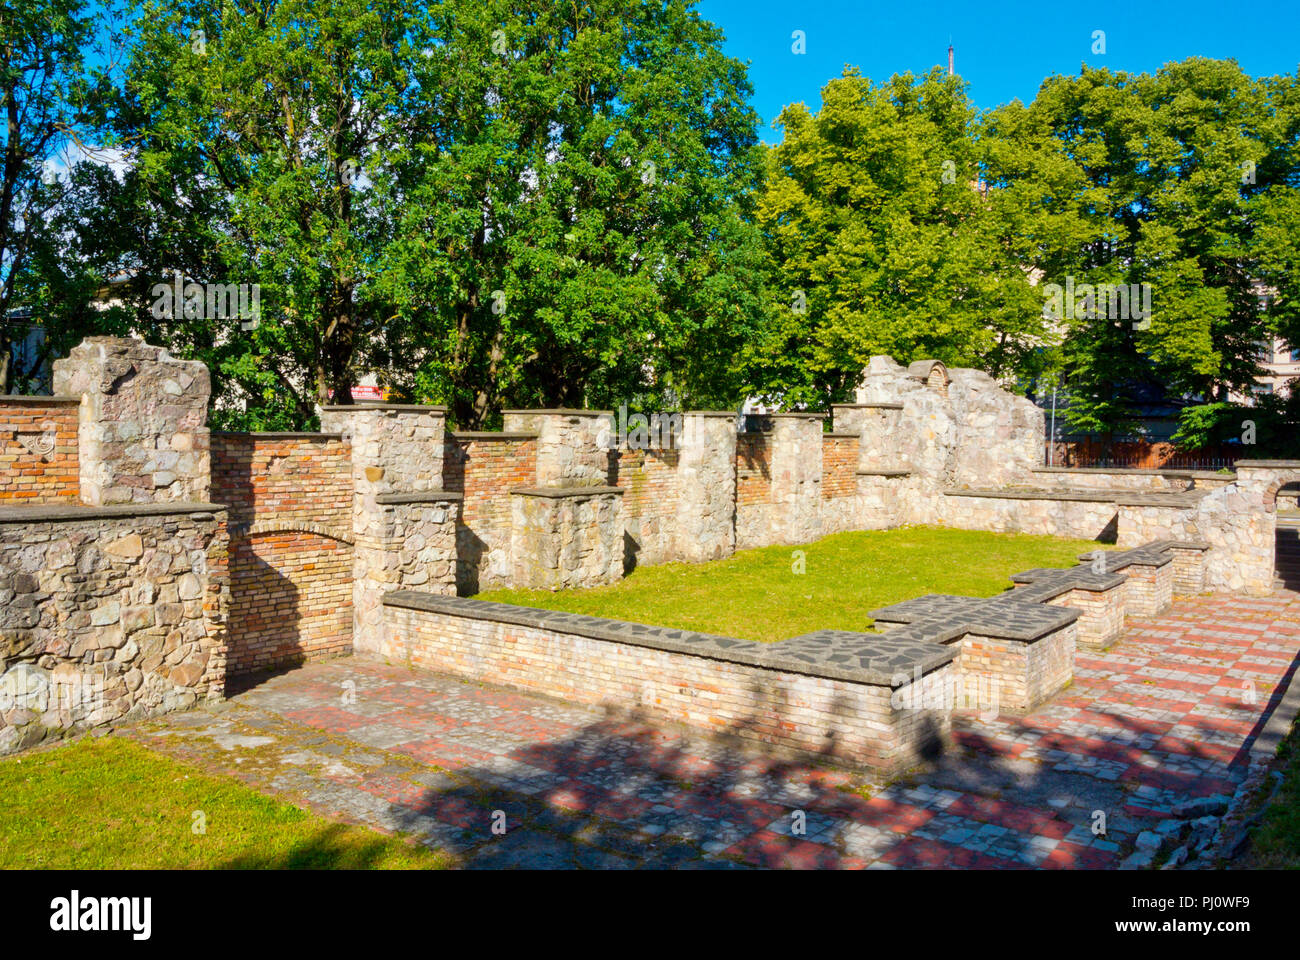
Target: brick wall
(265, 477)
(290, 563)
(1101, 618)
(1020, 676)
(753, 469)
(852, 722)
(485, 467)
(290, 600)
(1149, 591)
(839, 466)
(650, 503)
(38, 450)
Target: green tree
(49, 99)
(1171, 180)
(884, 239)
(574, 224)
(483, 202)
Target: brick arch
(1282, 478)
(290, 595)
(932, 373)
(297, 526)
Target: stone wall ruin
(146, 560)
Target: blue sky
(1004, 48)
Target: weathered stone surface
(566, 538)
(89, 657)
(136, 399)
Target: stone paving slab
(1169, 713)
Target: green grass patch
(1275, 844)
(111, 803)
(757, 595)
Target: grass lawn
(1275, 844)
(110, 803)
(757, 595)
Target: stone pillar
(562, 537)
(397, 452)
(706, 487)
(142, 436)
(796, 477)
(408, 544)
(567, 531)
(396, 448)
(876, 425)
(574, 447)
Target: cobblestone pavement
(1167, 714)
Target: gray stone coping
(561, 493)
(1144, 556)
(1048, 583)
(73, 512)
(382, 405)
(1279, 464)
(566, 411)
(1085, 496)
(1132, 472)
(493, 435)
(791, 415)
(1201, 545)
(886, 472)
(872, 659)
(1004, 617)
(883, 405)
(1125, 498)
(278, 434)
(841, 435)
(729, 414)
(419, 496)
(1180, 500)
(23, 399)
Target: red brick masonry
(38, 450)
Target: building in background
(1281, 363)
(28, 366)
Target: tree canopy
(487, 203)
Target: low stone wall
(38, 450)
(883, 499)
(887, 717)
(1054, 513)
(108, 614)
(1096, 478)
